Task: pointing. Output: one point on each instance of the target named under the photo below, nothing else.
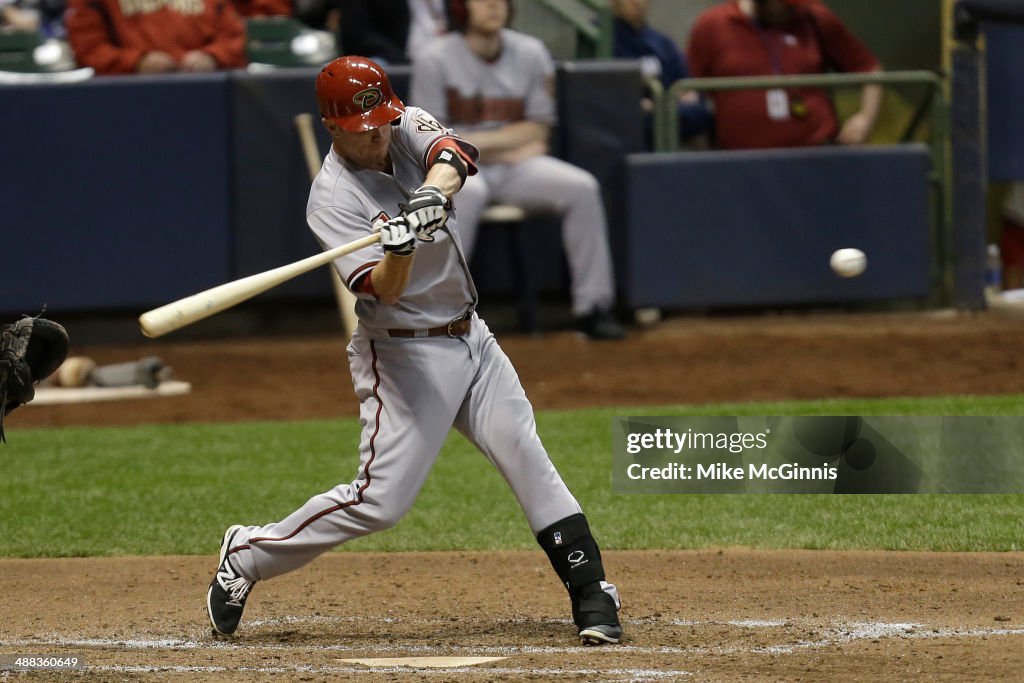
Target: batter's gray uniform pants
(411, 392)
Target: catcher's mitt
(30, 350)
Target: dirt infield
(690, 615)
(726, 615)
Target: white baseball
(848, 262)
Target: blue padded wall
(1005, 84)
(271, 181)
(720, 229)
(131, 192)
(114, 192)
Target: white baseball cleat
(229, 590)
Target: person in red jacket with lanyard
(780, 37)
(155, 36)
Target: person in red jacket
(155, 36)
(780, 37)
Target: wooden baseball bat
(304, 124)
(346, 299)
(178, 314)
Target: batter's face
(486, 16)
(368, 149)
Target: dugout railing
(933, 108)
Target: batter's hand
(427, 211)
(396, 236)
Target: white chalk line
(848, 633)
(482, 650)
(878, 631)
(293, 620)
(833, 635)
(550, 674)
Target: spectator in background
(389, 31)
(51, 14)
(660, 59)
(44, 16)
(495, 86)
(14, 15)
(776, 37)
(131, 36)
(263, 8)
(428, 21)
(1012, 241)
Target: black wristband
(454, 159)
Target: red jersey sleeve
(454, 145)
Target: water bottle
(993, 269)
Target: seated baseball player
(422, 360)
(495, 86)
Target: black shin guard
(577, 561)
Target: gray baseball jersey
(346, 199)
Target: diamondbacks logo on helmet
(368, 99)
(355, 94)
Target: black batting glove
(427, 211)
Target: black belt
(456, 328)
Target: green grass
(173, 489)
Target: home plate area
(707, 651)
(717, 615)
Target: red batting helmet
(355, 94)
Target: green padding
(19, 41)
(16, 51)
(268, 40)
(271, 29)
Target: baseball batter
(422, 361)
(495, 85)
